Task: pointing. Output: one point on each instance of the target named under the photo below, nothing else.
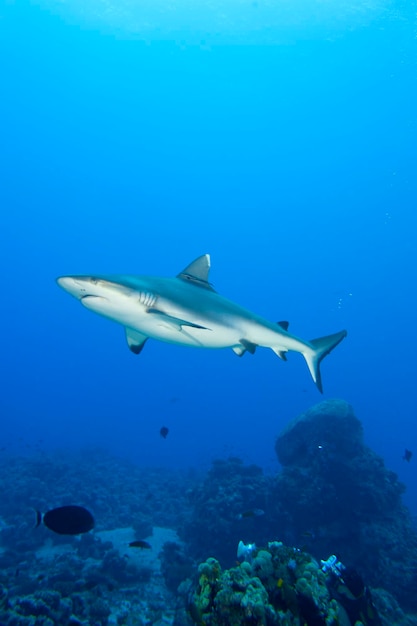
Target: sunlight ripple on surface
(231, 21)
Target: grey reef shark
(186, 310)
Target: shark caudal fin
(320, 348)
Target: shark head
(112, 297)
(94, 293)
(83, 286)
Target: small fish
(164, 432)
(250, 513)
(66, 520)
(140, 544)
(407, 455)
(308, 534)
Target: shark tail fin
(321, 347)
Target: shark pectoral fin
(135, 340)
(321, 347)
(174, 323)
(197, 272)
(280, 353)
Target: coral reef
(52, 580)
(334, 494)
(229, 489)
(280, 585)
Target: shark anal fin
(135, 340)
(174, 323)
(197, 272)
(283, 325)
(280, 353)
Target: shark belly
(267, 335)
(164, 323)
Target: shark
(186, 310)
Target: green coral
(209, 574)
(242, 599)
(280, 586)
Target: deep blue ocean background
(281, 142)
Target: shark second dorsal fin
(197, 272)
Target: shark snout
(73, 285)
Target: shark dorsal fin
(197, 272)
(283, 325)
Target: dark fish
(308, 534)
(164, 432)
(250, 513)
(407, 455)
(140, 544)
(67, 520)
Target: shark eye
(94, 280)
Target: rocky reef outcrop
(229, 489)
(334, 494)
(278, 585)
(283, 586)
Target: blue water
(286, 151)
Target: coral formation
(229, 488)
(52, 580)
(265, 591)
(334, 494)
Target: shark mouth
(93, 302)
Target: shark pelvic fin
(248, 345)
(135, 340)
(197, 272)
(244, 346)
(321, 347)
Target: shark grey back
(186, 310)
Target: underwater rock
(4, 598)
(29, 605)
(335, 495)
(99, 612)
(176, 565)
(390, 611)
(330, 425)
(215, 527)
